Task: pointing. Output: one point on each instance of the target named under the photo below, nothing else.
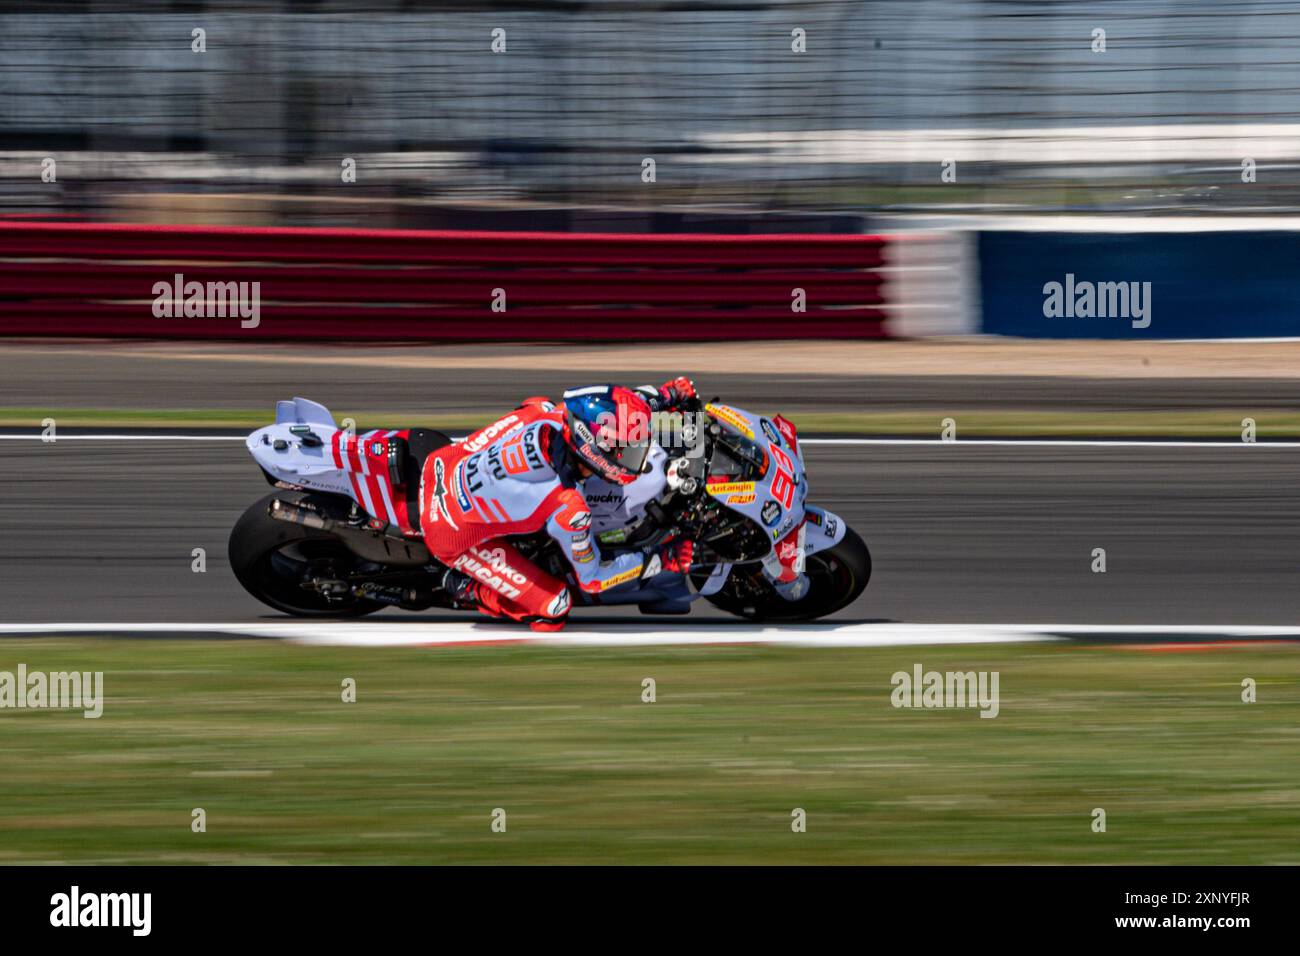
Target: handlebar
(692, 404)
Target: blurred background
(1041, 113)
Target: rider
(521, 475)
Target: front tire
(272, 558)
(836, 576)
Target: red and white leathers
(515, 477)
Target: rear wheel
(836, 577)
(274, 560)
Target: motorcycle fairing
(327, 458)
(822, 529)
(303, 411)
(776, 499)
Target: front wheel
(836, 577)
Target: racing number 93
(783, 480)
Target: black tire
(837, 576)
(269, 557)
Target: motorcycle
(340, 534)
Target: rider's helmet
(608, 427)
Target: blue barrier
(1201, 285)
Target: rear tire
(837, 577)
(271, 557)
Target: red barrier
(374, 285)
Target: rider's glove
(676, 391)
(676, 557)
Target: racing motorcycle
(339, 535)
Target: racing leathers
(517, 476)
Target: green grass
(256, 734)
(1206, 423)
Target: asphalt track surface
(105, 378)
(102, 531)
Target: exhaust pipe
(384, 544)
(296, 514)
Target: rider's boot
(546, 624)
(461, 588)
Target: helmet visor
(631, 456)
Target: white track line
(418, 633)
(398, 633)
(999, 442)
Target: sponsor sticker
(770, 431)
(462, 496)
(559, 606)
(745, 499)
(613, 536)
(732, 418)
(438, 497)
(496, 559)
(788, 431)
(723, 487)
(790, 554)
(771, 513)
(485, 437)
(618, 579)
(471, 565)
(595, 459)
(654, 567)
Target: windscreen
(737, 457)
